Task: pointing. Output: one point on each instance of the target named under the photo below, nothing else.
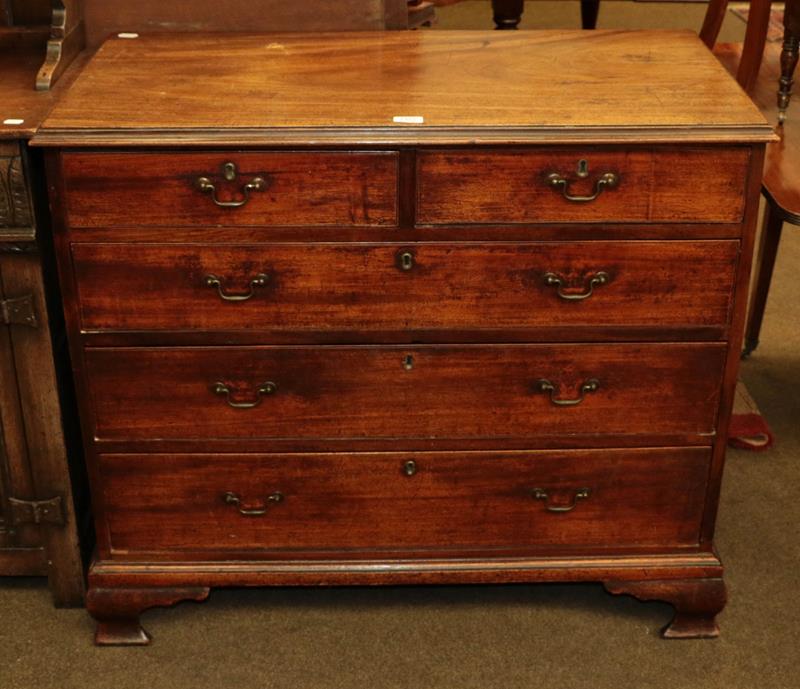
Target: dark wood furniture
(508, 13)
(38, 525)
(66, 40)
(393, 320)
(104, 19)
(755, 39)
(789, 55)
(781, 186)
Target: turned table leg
(697, 603)
(789, 55)
(117, 611)
(507, 13)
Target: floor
(565, 636)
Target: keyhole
(229, 171)
(583, 168)
(406, 260)
(408, 362)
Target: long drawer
(570, 185)
(633, 286)
(231, 188)
(455, 392)
(404, 501)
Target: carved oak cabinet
(39, 522)
(404, 308)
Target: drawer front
(404, 501)
(532, 186)
(189, 189)
(424, 287)
(429, 392)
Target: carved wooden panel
(16, 216)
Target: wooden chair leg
(589, 11)
(754, 41)
(507, 13)
(712, 24)
(765, 262)
(789, 57)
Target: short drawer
(574, 185)
(230, 188)
(645, 289)
(430, 392)
(403, 501)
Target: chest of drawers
(318, 346)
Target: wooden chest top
(349, 88)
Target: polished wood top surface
(469, 86)
(19, 100)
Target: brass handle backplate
(233, 499)
(607, 180)
(229, 172)
(542, 494)
(267, 388)
(544, 385)
(591, 280)
(259, 280)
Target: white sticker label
(127, 35)
(408, 119)
(13, 121)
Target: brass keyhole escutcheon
(229, 171)
(583, 168)
(410, 467)
(408, 362)
(405, 260)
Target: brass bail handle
(231, 498)
(230, 173)
(591, 280)
(266, 388)
(608, 180)
(544, 385)
(542, 494)
(258, 281)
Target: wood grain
(697, 603)
(320, 188)
(637, 498)
(465, 84)
(45, 446)
(654, 185)
(425, 364)
(360, 289)
(117, 611)
(20, 101)
(19, 63)
(364, 392)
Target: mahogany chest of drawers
(342, 312)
